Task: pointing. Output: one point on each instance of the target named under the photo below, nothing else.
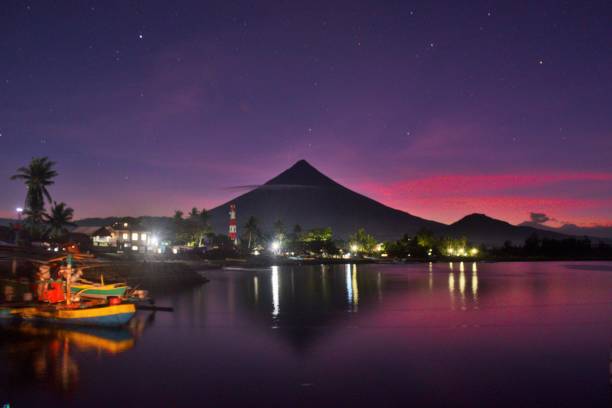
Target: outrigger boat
(74, 314)
(66, 307)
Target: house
(129, 235)
(99, 236)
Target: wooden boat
(76, 314)
(98, 290)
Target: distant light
(55, 249)
(175, 251)
(19, 209)
(256, 252)
(474, 251)
(134, 248)
(354, 247)
(125, 224)
(154, 240)
(347, 255)
(275, 247)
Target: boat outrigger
(91, 290)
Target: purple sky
(435, 108)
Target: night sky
(437, 108)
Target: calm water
(504, 335)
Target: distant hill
(480, 228)
(303, 195)
(571, 229)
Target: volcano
(305, 196)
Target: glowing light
(355, 286)
(125, 224)
(154, 240)
(275, 246)
(354, 248)
(134, 248)
(349, 284)
(474, 251)
(474, 281)
(256, 252)
(347, 255)
(175, 251)
(19, 210)
(275, 292)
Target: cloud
(539, 218)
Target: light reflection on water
(513, 327)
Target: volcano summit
(305, 196)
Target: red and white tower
(233, 233)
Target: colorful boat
(97, 315)
(98, 291)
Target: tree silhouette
(58, 221)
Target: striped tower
(233, 233)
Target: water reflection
(535, 313)
(50, 354)
(475, 282)
(461, 285)
(275, 291)
(352, 287)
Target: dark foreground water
(503, 335)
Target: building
(98, 236)
(126, 235)
(129, 235)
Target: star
(541, 62)
(140, 36)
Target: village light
(354, 248)
(474, 251)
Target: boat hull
(104, 316)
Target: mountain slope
(571, 229)
(303, 195)
(480, 228)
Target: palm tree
(279, 230)
(204, 217)
(37, 176)
(194, 213)
(251, 229)
(58, 221)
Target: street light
(19, 211)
